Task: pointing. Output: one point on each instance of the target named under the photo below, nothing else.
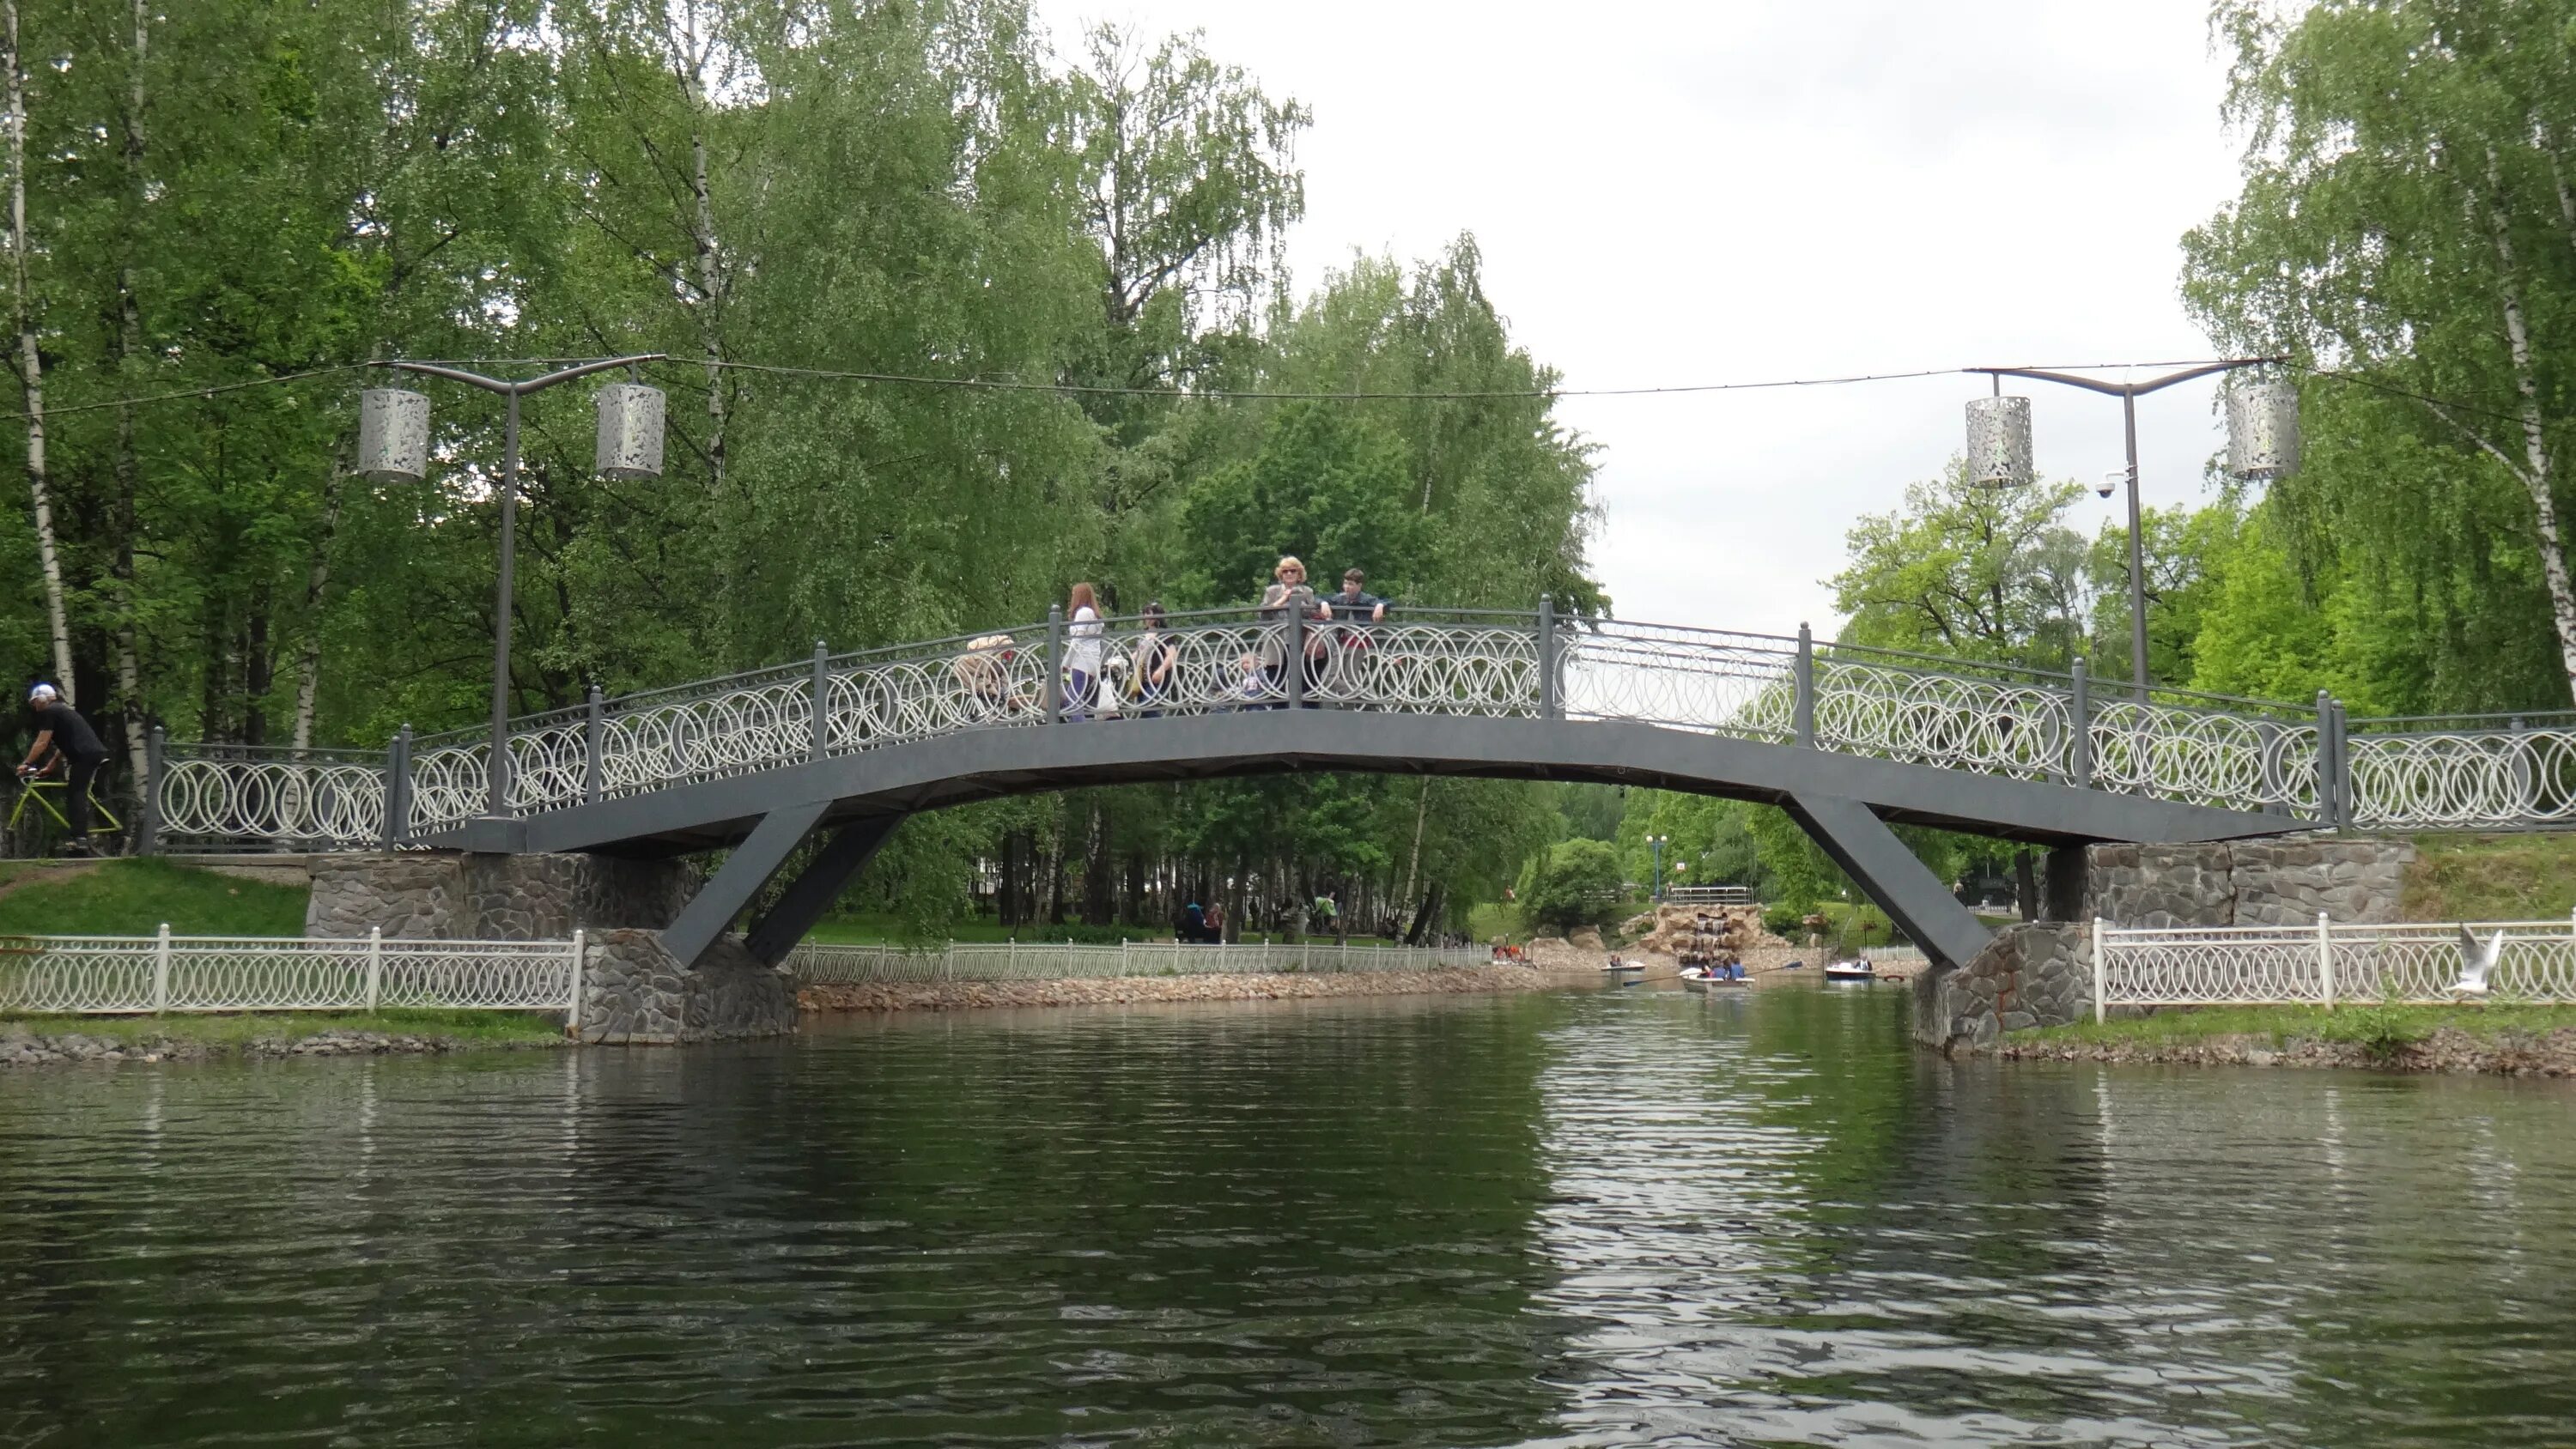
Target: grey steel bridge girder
(740, 878)
(815, 888)
(1914, 898)
(979, 764)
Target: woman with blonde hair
(1288, 594)
(1081, 651)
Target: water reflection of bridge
(1847, 739)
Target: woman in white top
(1081, 651)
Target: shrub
(2382, 1031)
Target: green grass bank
(2513, 1040)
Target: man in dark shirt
(1354, 609)
(59, 728)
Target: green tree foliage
(776, 198)
(2405, 222)
(1575, 883)
(1991, 574)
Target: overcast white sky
(1711, 192)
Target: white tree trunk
(31, 370)
(308, 664)
(691, 63)
(2538, 474)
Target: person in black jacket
(61, 730)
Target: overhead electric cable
(995, 384)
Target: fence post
(398, 791)
(2079, 740)
(2101, 968)
(594, 747)
(1802, 710)
(1010, 968)
(147, 832)
(822, 701)
(1296, 657)
(1550, 705)
(572, 1012)
(2325, 959)
(2328, 812)
(161, 971)
(2347, 808)
(1055, 667)
(1123, 968)
(375, 966)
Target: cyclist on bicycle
(61, 731)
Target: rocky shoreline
(2449, 1050)
(27, 1049)
(1128, 990)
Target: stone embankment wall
(2041, 973)
(633, 991)
(1131, 990)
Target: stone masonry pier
(2040, 973)
(634, 991)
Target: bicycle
(45, 794)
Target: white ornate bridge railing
(2300, 761)
(112, 975)
(815, 963)
(2325, 964)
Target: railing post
(2328, 812)
(1055, 665)
(2325, 959)
(2344, 811)
(1802, 711)
(1550, 703)
(398, 789)
(161, 970)
(594, 747)
(375, 966)
(2101, 968)
(148, 792)
(572, 1011)
(2079, 739)
(1296, 656)
(822, 701)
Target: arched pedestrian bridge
(1846, 738)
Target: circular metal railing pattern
(2283, 965)
(2243, 755)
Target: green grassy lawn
(480, 1027)
(2491, 878)
(133, 898)
(2367, 1023)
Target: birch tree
(30, 360)
(2407, 220)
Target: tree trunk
(317, 577)
(129, 351)
(259, 672)
(31, 367)
(2539, 476)
(1413, 863)
(708, 261)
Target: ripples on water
(1604, 1219)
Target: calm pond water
(1607, 1218)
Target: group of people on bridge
(1098, 680)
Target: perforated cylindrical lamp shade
(1999, 442)
(630, 431)
(2263, 428)
(393, 435)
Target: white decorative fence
(133, 975)
(820, 963)
(2325, 964)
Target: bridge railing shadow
(1994, 719)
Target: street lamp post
(1657, 841)
(2279, 446)
(393, 440)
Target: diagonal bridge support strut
(751, 866)
(1903, 886)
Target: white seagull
(2476, 963)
